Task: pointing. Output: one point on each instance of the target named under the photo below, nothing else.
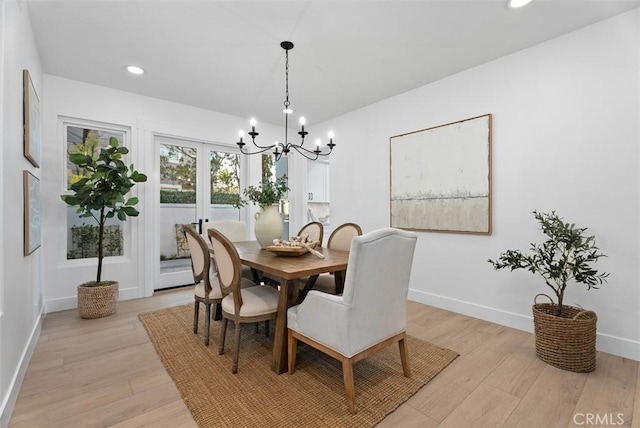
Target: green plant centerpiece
(101, 194)
(565, 335)
(267, 195)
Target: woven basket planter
(567, 342)
(98, 301)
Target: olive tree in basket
(565, 335)
(101, 194)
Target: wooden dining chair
(236, 231)
(314, 229)
(206, 291)
(240, 305)
(340, 239)
(370, 315)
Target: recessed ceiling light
(514, 4)
(134, 70)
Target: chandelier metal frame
(285, 148)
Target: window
(272, 170)
(82, 233)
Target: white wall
(566, 135)
(142, 117)
(21, 295)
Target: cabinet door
(318, 181)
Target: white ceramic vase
(268, 225)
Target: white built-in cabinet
(318, 181)
(318, 194)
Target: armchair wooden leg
(236, 351)
(347, 374)
(404, 356)
(223, 334)
(196, 312)
(207, 325)
(293, 348)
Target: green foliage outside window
(84, 241)
(189, 197)
(87, 142)
(268, 168)
(178, 170)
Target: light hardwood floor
(105, 372)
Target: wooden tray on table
(283, 250)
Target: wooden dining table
(288, 269)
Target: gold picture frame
(32, 212)
(31, 120)
(441, 178)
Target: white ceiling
(225, 55)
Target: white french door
(197, 183)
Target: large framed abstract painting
(32, 212)
(31, 119)
(441, 177)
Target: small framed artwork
(31, 120)
(32, 212)
(441, 178)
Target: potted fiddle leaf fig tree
(267, 196)
(101, 194)
(565, 336)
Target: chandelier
(284, 148)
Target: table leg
(218, 313)
(255, 275)
(307, 287)
(280, 336)
(339, 278)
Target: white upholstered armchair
(370, 314)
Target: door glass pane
(177, 204)
(271, 171)
(82, 232)
(224, 175)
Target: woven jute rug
(257, 397)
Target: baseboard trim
(71, 302)
(10, 399)
(610, 344)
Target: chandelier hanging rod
(285, 148)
